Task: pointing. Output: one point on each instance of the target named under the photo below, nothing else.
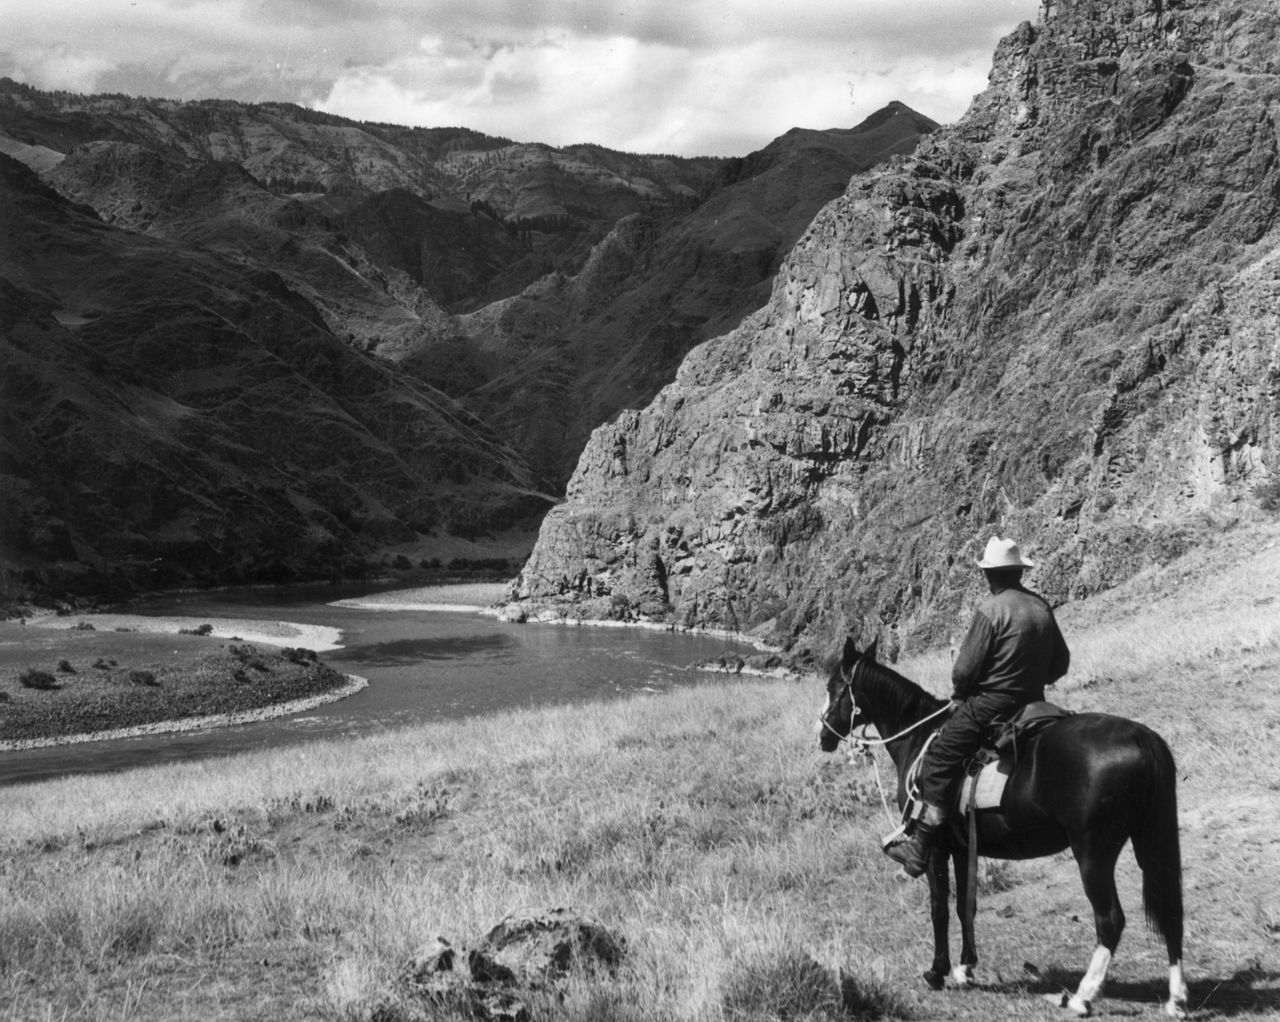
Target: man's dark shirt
(1013, 648)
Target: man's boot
(913, 852)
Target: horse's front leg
(939, 914)
(963, 974)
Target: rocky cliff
(571, 350)
(1058, 319)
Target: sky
(689, 77)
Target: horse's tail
(1156, 846)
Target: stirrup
(894, 837)
(911, 854)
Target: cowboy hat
(1003, 553)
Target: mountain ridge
(1032, 325)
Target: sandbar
(274, 633)
(466, 597)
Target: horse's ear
(850, 653)
(870, 651)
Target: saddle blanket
(984, 789)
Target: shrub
(299, 655)
(204, 629)
(83, 626)
(43, 680)
(143, 678)
(1268, 495)
(65, 667)
(4, 696)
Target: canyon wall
(1057, 319)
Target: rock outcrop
(527, 954)
(1057, 319)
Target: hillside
(545, 289)
(452, 218)
(571, 351)
(171, 417)
(1056, 319)
(533, 292)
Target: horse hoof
(1176, 1009)
(1064, 1000)
(962, 976)
(935, 979)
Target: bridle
(862, 741)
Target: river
(422, 666)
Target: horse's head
(837, 717)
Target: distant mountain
(465, 218)
(1057, 319)
(526, 293)
(171, 417)
(291, 149)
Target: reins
(861, 743)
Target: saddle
(1007, 740)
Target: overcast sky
(673, 76)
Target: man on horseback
(1012, 651)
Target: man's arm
(971, 661)
(1060, 659)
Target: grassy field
(740, 864)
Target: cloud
(686, 76)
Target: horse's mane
(896, 693)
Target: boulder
(528, 952)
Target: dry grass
(740, 864)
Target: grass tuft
(786, 985)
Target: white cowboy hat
(1003, 553)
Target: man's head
(1003, 578)
(1002, 563)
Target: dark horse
(1089, 782)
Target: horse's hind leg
(1097, 860)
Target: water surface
(422, 666)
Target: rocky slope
(1057, 319)
(170, 416)
(570, 351)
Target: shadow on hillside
(1249, 992)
